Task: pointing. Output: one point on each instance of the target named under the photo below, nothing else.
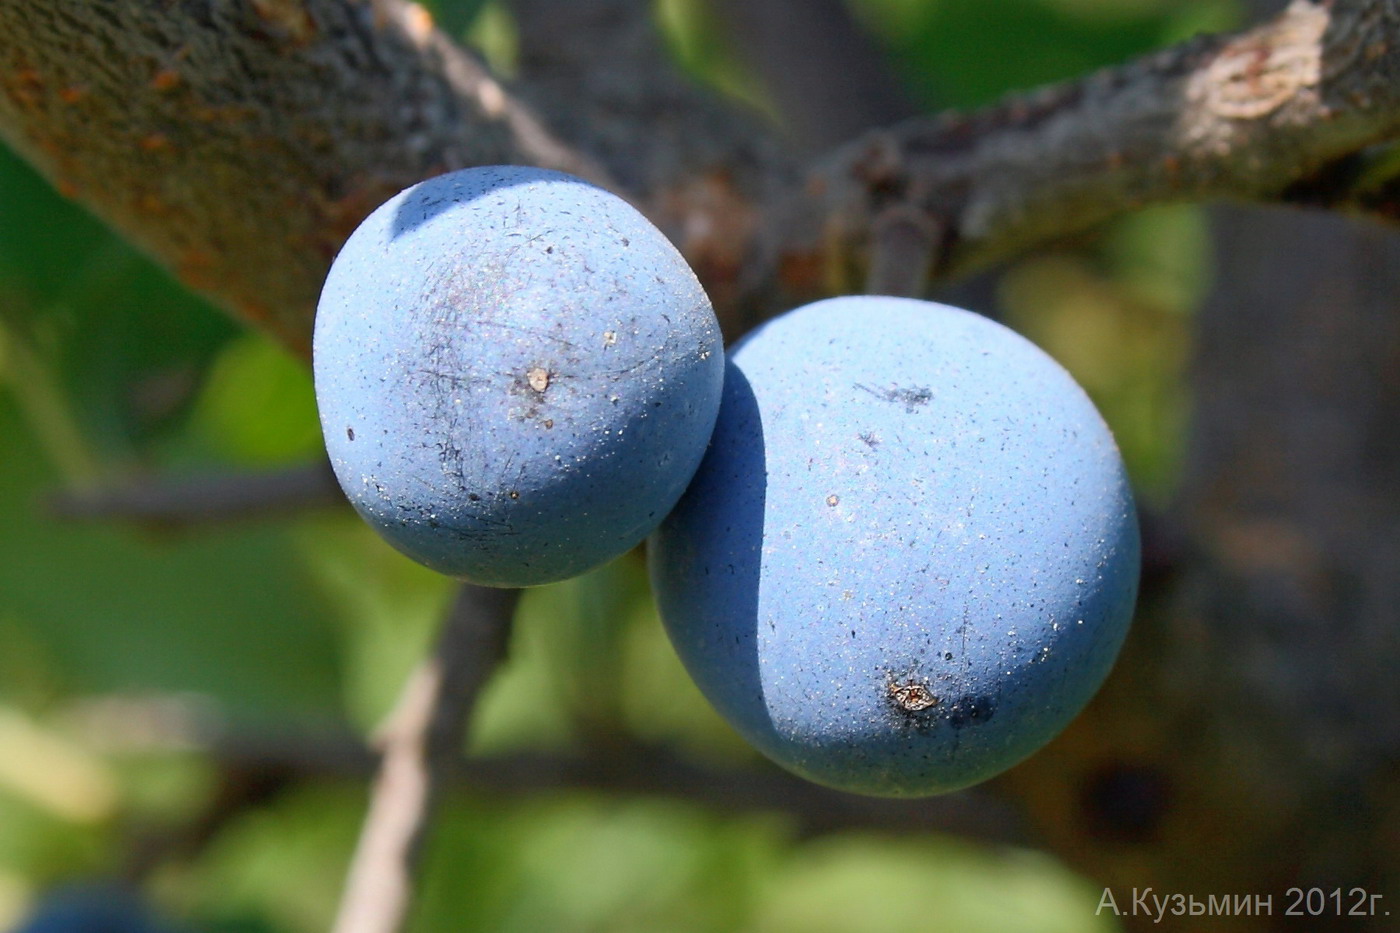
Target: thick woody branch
(1251, 116)
(240, 143)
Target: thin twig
(621, 767)
(903, 241)
(202, 499)
(421, 744)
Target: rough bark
(240, 142)
(1278, 112)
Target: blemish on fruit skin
(911, 696)
(993, 707)
(911, 397)
(971, 711)
(493, 399)
(350, 434)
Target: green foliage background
(110, 372)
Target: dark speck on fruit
(971, 711)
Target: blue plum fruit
(517, 374)
(910, 555)
(93, 908)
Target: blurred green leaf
(860, 884)
(43, 237)
(226, 614)
(257, 405)
(280, 866)
(580, 863)
(962, 53)
(123, 339)
(698, 47)
(386, 609)
(455, 17)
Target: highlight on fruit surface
(517, 374)
(910, 555)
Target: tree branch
(698, 166)
(200, 500)
(1240, 117)
(239, 143)
(623, 766)
(421, 744)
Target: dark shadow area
(707, 562)
(436, 195)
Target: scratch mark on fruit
(912, 398)
(537, 332)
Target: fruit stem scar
(538, 378)
(912, 697)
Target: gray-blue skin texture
(517, 374)
(910, 555)
(93, 908)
